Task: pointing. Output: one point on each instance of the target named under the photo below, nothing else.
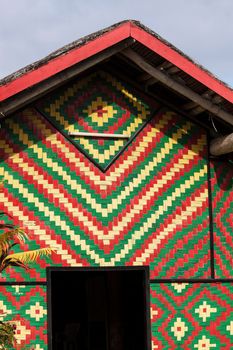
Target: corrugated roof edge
(80, 42)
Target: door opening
(98, 308)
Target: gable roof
(154, 50)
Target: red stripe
(225, 234)
(226, 205)
(78, 155)
(118, 179)
(76, 204)
(71, 109)
(191, 272)
(47, 194)
(221, 266)
(48, 230)
(149, 202)
(167, 221)
(179, 245)
(57, 202)
(163, 328)
(72, 163)
(225, 250)
(217, 194)
(135, 200)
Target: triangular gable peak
(157, 66)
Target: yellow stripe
(37, 230)
(198, 202)
(44, 236)
(151, 222)
(80, 191)
(154, 189)
(93, 228)
(101, 156)
(81, 165)
(132, 99)
(127, 190)
(104, 155)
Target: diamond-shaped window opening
(98, 103)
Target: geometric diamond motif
(200, 317)
(149, 208)
(3, 310)
(179, 287)
(22, 332)
(230, 327)
(179, 328)
(204, 311)
(204, 343)
(98, 103)
(26, 308)
(36, 311)
(206, 308)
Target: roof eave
(75, 55)
(65, 61)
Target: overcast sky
(203, 29)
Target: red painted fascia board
(58, 64)
(180, 61)
(103, 42)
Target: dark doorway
(98, 309)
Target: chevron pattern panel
(98, 103)
(222, 190)
(26, 307)
(150, 207)
(192, 316)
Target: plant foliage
(10, 236)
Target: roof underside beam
(39, 90)
(177, 87)
(221, 145)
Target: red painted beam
(180, 61)
(58, 64)
(105, 41)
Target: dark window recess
(98, 310)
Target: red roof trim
(180, 61)
(58, 64)
(105, 41)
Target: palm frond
(26, 257)
(3, 226)
(7, 236)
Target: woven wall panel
(222, 190)
(26, 307)
(150, 207)
(102, 104)
(192, 316)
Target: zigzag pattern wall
(222, 189)
(108, 202)
(26, 307)
(151, 205)
(192, 316)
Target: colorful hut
(116, 150)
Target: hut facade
(116, 151)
